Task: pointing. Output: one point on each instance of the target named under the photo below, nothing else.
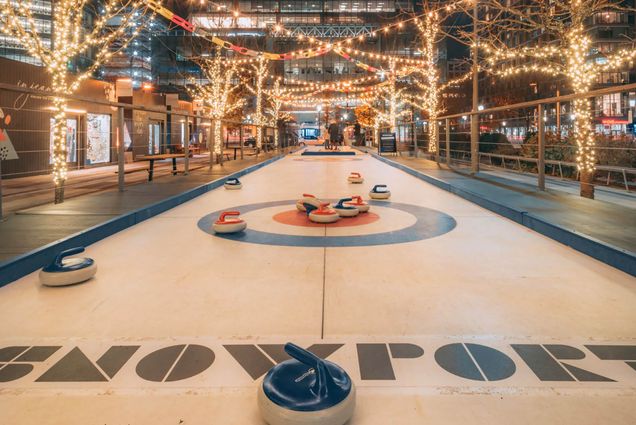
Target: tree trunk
(218, 142)
(59, 148)
(585, 155)
(587, 184)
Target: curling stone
(355, 178)
(233, 224)
(380, 191)
(306, 390)
(68, 271)
(307, 199)
(356, 201)
(323, 214)
(345, 210)
(232, 184)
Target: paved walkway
(34, 227)
(607, 222)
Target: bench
(134, 170)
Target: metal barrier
(540, 131)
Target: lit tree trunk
(582, 78)
(584, 136)
(59, 148)
(276, 137)
(433, 132)
(218, 143)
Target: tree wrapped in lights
(257, 89)
(393, 98)
(567, 52)
(427, 77)
(218, 96)
(276, 96)
(70, 39)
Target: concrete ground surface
(454, 315)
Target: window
(610, 105)
(610, 17)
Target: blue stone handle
(308, 209)
(66, 253)
(342, 201)
(323, 378)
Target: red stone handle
(355, 175)
(229, 213)
(357, 199)
(307, 195)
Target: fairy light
(430, 89)
(277, 103)
(570, 59)
(70, 40)
(216, 96)
(260, 74)
(391, 95)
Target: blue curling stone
(68, 271)
(306, 390)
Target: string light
(570, 58)
(70, 40)
(260, 120)
(394, 97)
(430, 88)
(216, 96)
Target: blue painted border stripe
(609, 254)
(24, 264)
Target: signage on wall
(97, 138)
(7, 151)
(387, 143)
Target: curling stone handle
(358, 199)
(66, 253)
(323, 378)
(307, 195)
(302, 355)
(229, 213)
(309, 208)
(377, 186)
(342, 201)
(355, 174)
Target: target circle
(428, 224)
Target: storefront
(90, 137)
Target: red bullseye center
(297, 218)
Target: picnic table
(159, 157)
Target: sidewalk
(603, 230)
(24, 192)
(35, 227)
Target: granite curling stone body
(233, 184)
(323, 214)
(380, 191)
(229, 222)
(68, 271)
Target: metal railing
(106, 139)
(545, 143)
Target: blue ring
(429, 224)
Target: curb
(619, 258)
(24, 264)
